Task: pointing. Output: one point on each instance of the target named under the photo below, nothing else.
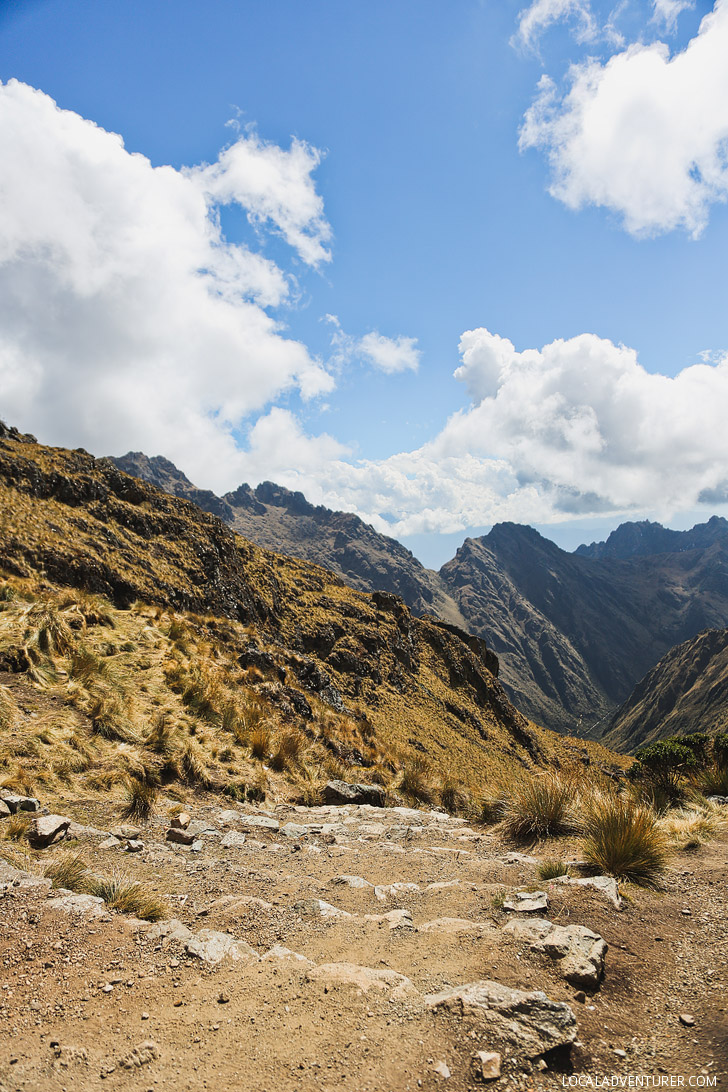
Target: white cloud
(576, 428)
(644, 134)
(667, 11)
(126, 319)
(541, 14)
(387, 354)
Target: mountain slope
(420, 685)
(284, 521)
(687, 691)
(575, 634)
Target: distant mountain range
(574, 633)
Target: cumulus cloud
(541, 14)
(644, 134)
(126, 318)
(386, 354)
(575, 428)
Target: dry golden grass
(128, 896)
(287, 750)
(689, 828)
(69, 870)
(624, 839)
(538, 807)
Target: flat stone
(299, 830)
(453, 926)
(396, 919)
(530, 1020)
(365, 979)
(606, 885)
(525, 902)
(212, 947)
(341, 792)
(686, 1019)
(133, 845)
(389, 890)
(82, 906)
(19, 803)
(201, 826)
(47, 829)
(443, 1070)
(280, 954)
(488, 1064)
(258, 824)
(233, 840)
(180, 837)
(352, 881)
(172, 929)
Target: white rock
(607, 885)
(352, 881)
(524, 902)
(233, 840)
(212, 947)
(365, 979)
(389, 890)
(84, 906)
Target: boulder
(531, 1021)
(580, 951)
(606, 885)
(341, 792)
(212, 947)
(47, 829)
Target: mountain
(686, 691)
(575, 634)
(415, 686)
(645, 538)
(282, 520)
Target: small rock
(233, 840)
(443, 1069)
(133, 845)
(580, 996)
(181, 821)
(110, 843)
(4, 810)
(489, 1064)
(223, 998)
(211, 947)
(525, 902)
(180, 837)
(47, 829)
(621, 1053)
(686, 1019)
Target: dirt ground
(87, 1003)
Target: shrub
(624, 839)
(538, 807)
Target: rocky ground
(325, 948)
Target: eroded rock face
(531, 1021)
(580, 952)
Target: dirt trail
(105, 1002)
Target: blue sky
(412, 215)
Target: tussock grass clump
(71, 871)
(140, 799)
(85, 666)
(287, 751)
(128, 896)
(417, 779)
(193, 767)
(260, 742)
(690, 828)
(8, 710)
(454, 797)
(15, 827)
(549, 870)
(538, 807)
(108, 711)
(160, 737)
(624, 839)
(48, 629)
